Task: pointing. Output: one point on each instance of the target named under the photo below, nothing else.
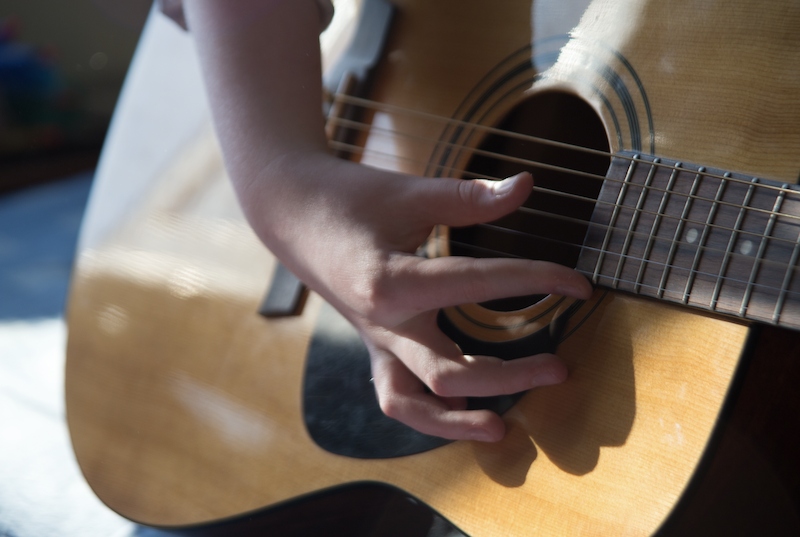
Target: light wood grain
(185, 406)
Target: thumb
(459, 202)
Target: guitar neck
(702, 237)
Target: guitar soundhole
(553, 223)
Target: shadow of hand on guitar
(596, 406)
(507, 462)
(571, 422)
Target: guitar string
(628, 256)
(364, 127)
(755, 235)
(376, 106)
(723, 303)
(702, 172)
(733, 305)
(731, 254)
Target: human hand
(351, 234)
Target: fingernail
(501, 188)
(479, 434)
(546, 379)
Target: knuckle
(374, 295)
(469, 192)
(390, 407)
(441, 384)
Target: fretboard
(706, 238)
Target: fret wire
(728, 254)
(341, 146)
(654, 229)
(787, 279)
(760, 255)
(752, 210)
(588, 273)
(614, 215)
(675, 240)
(687, 208)
(695, 197)
(715, 277)
(652, 237)
(634, 221)
(703, 238)
(652, 288)
(473, 175)
(726, 302)
(731, 242)
(682, 222)
(362, 151)
(386, 107)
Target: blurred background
(62, 65)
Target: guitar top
(186, 407)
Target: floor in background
(42, 492)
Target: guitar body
(186, 407)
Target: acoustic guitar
(664, 138)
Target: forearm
(262, 70)
(350, 232)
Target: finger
(440, 365)
(457, 202)
(402, 396)
(427, 284)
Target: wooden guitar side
(184, 405)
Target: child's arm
(350, 232)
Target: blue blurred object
(38, 232)
(22, 69)
(37, 109)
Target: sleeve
(174, 10)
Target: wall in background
(62, 64)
